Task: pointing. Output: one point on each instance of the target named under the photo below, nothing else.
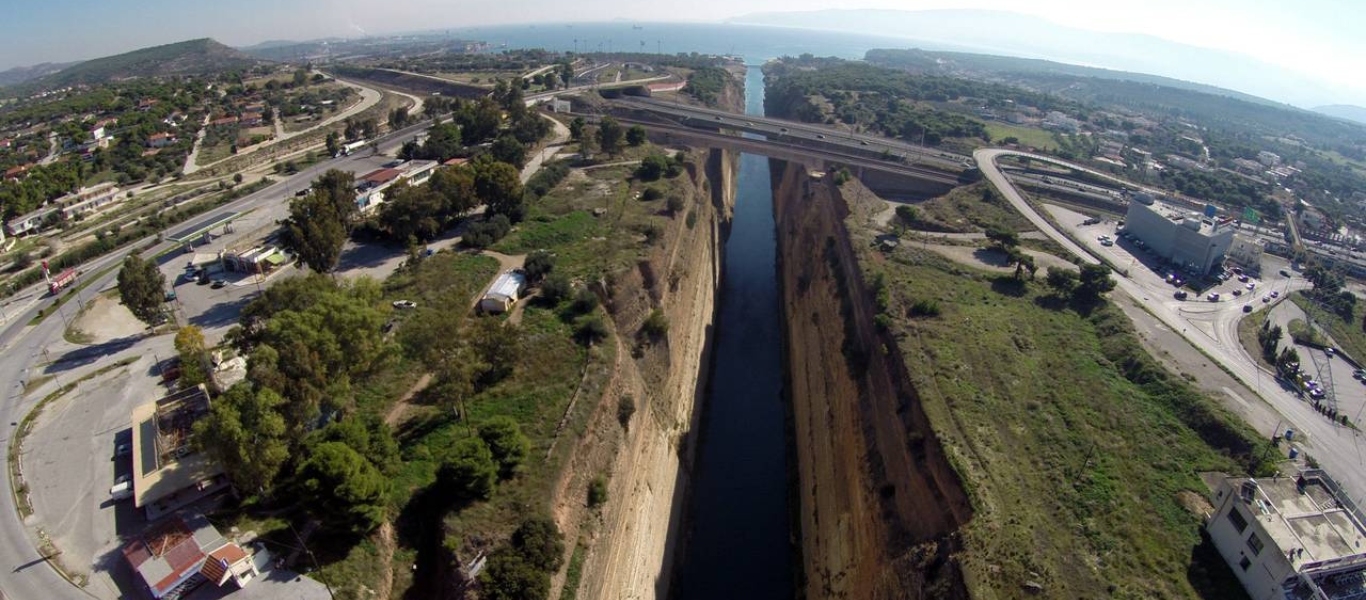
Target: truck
(350, 148)
(63, 279)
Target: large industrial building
(1188, 239)
(1291, 538)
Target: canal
(739, 533)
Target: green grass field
(1076, 447)
(1028, 136)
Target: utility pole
(316, 567)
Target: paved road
(1340, 450)
(796, 131)
(23, 572)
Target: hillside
(1344, 111)
(21, 74)
(951, 62)
(1003, 32)
(194, 57)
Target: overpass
(792, 132)
(885, 177)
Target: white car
(122, 489)
(405, 304)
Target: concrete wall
(1266, 570)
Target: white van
(122, 489)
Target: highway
(25, 573)
(797, 132)
(1213, 330)
(793, 149)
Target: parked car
(170, 296)
(218, 283)
(1181, 294)
(405, 304)
(1266, 298)
(1237, 292)
(122, 490)
(1275, 294)
(123, 449)
(1106, 243)
(1214, 297)
(1285, 273)
(1247, 308)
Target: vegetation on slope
(1079, 450)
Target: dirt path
(384, 539)
(400, 409)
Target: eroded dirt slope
(879, 504)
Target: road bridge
(792, 132)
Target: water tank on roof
(1248, 492)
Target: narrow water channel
(739, 532)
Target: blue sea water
(754, 43)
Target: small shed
(504, 292)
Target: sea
(754, 43)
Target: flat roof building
(1187, 239)
(1290, 538)
(167, 471)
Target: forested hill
(194, 57)
(887, 101)
(968, 64)
(1156, 96)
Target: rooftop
(1306, 513)
(380, 176)
(164, 462)
(1192, 220)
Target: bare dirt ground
(994, 260)
(105, 319)
(399, 412)
(877, 493)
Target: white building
(504, 292)
(560, 106)
(1187, 239)
(1290, 538)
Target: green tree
(652, 167)
(1061, 280)
(507, 149)
(342, 488)
(556, 288)
(576, 126)
(412, 212)
(610, 134)
(1003, 238)
(141, 288)
(455, 185)
(509, 577)
(635, 136)
(245, 433)
(540, 543)
(301, 77)
(469, 470)
(538, 264)
(398, 118)
(566, 73)
(499, 185)
(506, 442)
(190, 346)
(315, 232)
(1094, 281)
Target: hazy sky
(1321, 38)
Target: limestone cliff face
(632, 540)
(878, 503)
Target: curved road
(1340, 450)
(24, 573)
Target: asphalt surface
(1213, 329)
(24, 573)
(798, 132)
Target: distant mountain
(194, 57)
(998, 32)
(266, 45)
(1344, 111)
(21, 74)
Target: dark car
(1181, 294)
(218, 283)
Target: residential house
(222, 121)
(32, 222)
(173, 559)
(160, 140)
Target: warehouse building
(1193, 241)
